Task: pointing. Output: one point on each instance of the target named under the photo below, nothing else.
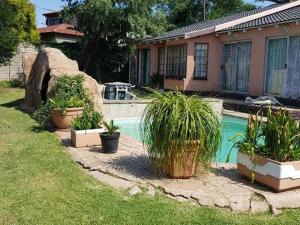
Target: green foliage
(17, 24)
(185, 12)
(111, 29)
(67, 92)
(89, 120)
(8, 35)
(173, 117)
(43, 114)
(11, 84)
(38, 176)
(111, 127)
(64, 103)
(71, 50)
(277, 139)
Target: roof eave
(246, 19)
(254, 27)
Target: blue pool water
(230, 127)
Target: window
(53, 21)
(283, 67)
(161, 61)
(176, 65)
(201, 61)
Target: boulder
(28, 60)
(42, 71)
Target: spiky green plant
(278, 138)
(89, 120)
(111, 128)
(173, 117)
(282, 137)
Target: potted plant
(181, 133)
(64, 111)
(67, 100)
(269, 152)
(110, 139)
(86, 130)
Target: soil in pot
(184, 165)
(64, 121)
(109, 142)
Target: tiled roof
(51, 12)
(282, 16)
(292, 14)
(64, 28)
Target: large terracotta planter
(276, 175)
(183, 166)
(64, 121)
(86, 138)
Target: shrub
(67, 92)
(278, 138)
(173, 117)
(89, 120)
(111, 128)
(11, 84)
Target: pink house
(251, 53)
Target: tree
(184, 12)
(111, 28)
(8, 35)
(17, 24)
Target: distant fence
(14, 69)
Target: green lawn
(40, 184)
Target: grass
(40, 184)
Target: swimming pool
(230, 127)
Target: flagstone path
(129, 169)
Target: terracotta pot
(86, 138)
(276, 175)
(64, 121)
(183, 166)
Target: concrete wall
(14, 69)
(115, 109)
(257, 70)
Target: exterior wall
(14, 69)
(215, 42)
(188, 83)
(259, 47)
(65, 38)
(59, 38)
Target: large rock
(28, 60)
(42, 71)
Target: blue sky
(43, 6)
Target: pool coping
(239, 115)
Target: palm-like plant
(111, 127)
(175, 119)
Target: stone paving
(129, 169)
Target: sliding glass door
(276, 66)
(236, 66)
(292, 87)
(283, 67)
(145, 66)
